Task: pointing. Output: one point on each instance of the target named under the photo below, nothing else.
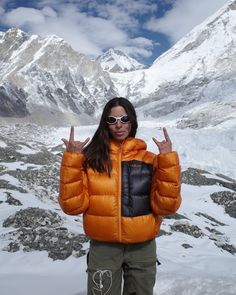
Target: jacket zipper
(119, 194)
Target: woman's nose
(118, 124)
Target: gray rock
(225, 177)
(12, 201)
(10, 154)
(231, 209)
(186, 246)
(43, 181)
(58, 242)
(215, 222)
(227, 247)
(12, 247)
(13, 107)
(175, 216)
(214, 231)
(4, 184)
(32, 218)
(186, 228)
(226, 199)
(41, 230)
(195, 176)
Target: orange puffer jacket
(128, 206)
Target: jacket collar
(130, 144)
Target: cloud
(88, 27)
(135, 52)
(138, 47)
(2, 11)
(140, 41)
(2, 2)
(124, 14)
(132, 7)
(23, 15)
(48, 11)
(183, 17)
(119, 17)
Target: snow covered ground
(200, 269)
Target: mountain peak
(221, 22)
(115, 51)
(16, 33)
(115, 60)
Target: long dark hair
(97, 153)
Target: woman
(123, 192)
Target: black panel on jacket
(136, 188)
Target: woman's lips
(120, 133)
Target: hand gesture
(164, 146)
(72, 145)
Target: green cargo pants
(107, 262)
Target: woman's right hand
(72, 145)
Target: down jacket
(128, 206)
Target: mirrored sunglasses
(113, 120)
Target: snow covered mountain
(193, 83)
(116, 61)
(47, 73)
(195, 80)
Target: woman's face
(119, 130)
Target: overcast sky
(142, 28)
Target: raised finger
(166, 135)
(86, 141)
(156, 141)
(65, 141)
(71, 134)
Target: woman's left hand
(164, 146)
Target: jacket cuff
(74, 160)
